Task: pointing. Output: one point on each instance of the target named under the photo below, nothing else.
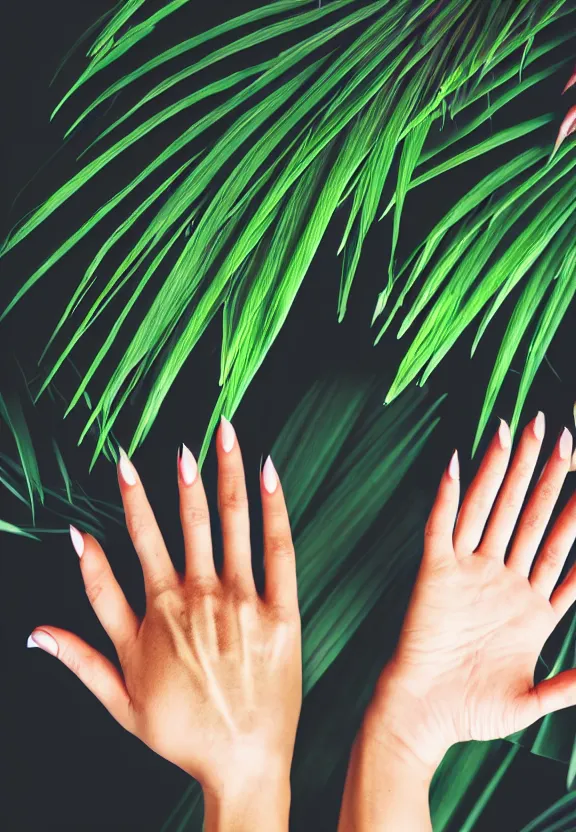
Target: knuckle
(280, 546)
(233, 495)
(95, 585)
(532, 520)
(547, 491)
(551, 556)
(200, 586)
(193, 516)
(138, 528)
(524, 470)
(240, 593)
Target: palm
(479, 655)
(480, 615)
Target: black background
(69, 766)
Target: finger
(511, 496)
(233, 511)
(195, 519)
(539, 508)
(105, 593)
(556, 548)
(550, 695)
(157, 566)
(281, 590)
(92, 668)
(440, 524)
(482, 492)
(565, 594)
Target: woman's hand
(212, 677)
(476, 623)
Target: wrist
(403, 725)
(249, 802)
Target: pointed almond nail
(77, 540)
(504, 435)
(228, 434)
(127, 469)
(269, 476)
(539, 425)
(565, 444)
(454, 467)
(188, 466)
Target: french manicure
(228, 434)
(565, 443)
(454, 467)
(269, 476)
(127, 469)
(43, 640)
(188, 466)
(539, 425)
(504, 435)
(77, 540)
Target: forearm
(386, 787)
(249, 806)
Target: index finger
(280, 583)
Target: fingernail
(77, 540)
(126, 468)
(269, 476)
(43, 640)
(188, 466)
(504, 435)
(228, 434)
(565, 443)
(539, 425)
(454, 467)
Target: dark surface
(70, 767)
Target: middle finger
(233, 511)
(540, 506)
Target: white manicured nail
(454, 467)
(228, 434)
(565, 444)
(269, 476)
(504, 435)
(188, 466)
(77, 540)
(539, 426)
(43, 640)
(127, 470)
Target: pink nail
(127, 469)
(188, 466)
(454, 467)
(504, 435)
(269, 476)
(228, 434)
(565, 443)
(43, 640)
(539, 425)
(77, 540)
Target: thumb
(553, 694)
(92, 668)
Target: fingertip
(269, 476)
(77, 540)
(454, 466)
(40, 638)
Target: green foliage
(21, 478)
(322, 123)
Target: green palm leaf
(318, 124)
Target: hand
(475, 625)
(212, 677)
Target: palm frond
(320, 123)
